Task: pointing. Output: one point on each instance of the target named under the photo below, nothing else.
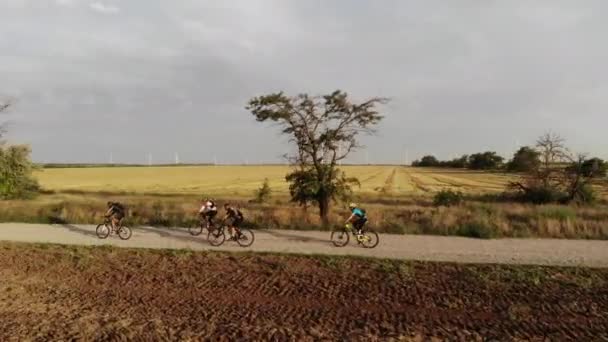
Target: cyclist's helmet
(110, 204)
(352, 205)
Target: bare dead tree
(560, 172)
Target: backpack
(363, 213)
(119, 207)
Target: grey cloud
(104, 8)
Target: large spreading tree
(325, 130)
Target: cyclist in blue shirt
(358, 217)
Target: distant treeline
(478, 161)
(526, 159)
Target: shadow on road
(78, 230)
(175, 234)
(293, 237)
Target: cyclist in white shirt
(208, 211)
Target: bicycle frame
(349, 228)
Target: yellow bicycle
(368, 238)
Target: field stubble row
(242, 180)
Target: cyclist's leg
(117, 218)
(114, 222)
(358, 225)
(210, 217)
(236, 225)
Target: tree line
(478, 161)
(549, 171)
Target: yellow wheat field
(243, 180)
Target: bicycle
(368, 238)
(104, 230)
(217, 236)
(198, 229)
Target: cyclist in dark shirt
(233, 218)
(116, 213)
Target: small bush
(477, 230)
(585, 195)
(540, 195)
(262, 195)
(558, 213)
(448, 198)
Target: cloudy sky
(128, 77)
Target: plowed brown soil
(50, 292)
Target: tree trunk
(324, 210)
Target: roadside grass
(413, 216)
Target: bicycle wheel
(196, 230)
(216, 237)
(370, 238)
(340, 238)
(124, 233)
(102, 231)
(245, 238)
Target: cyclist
(358, 217)
(233, 218)
(116, 212)
(208, 211)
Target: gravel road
(556, 252)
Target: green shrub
(541, 195)
(262, 195)
(477, 230)
(16, 180)
(585, 195)
(448, 198)
(560, 213)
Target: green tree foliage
(16, 180)
(485, 161)
(526, 159)
(594, 167)
(457, 163)
(263, 194)
(325, 130)
(426, 161)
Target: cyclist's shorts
(210, 213)
(235, 221)
(360, 222)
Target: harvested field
(243, 180)
(59, 293)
